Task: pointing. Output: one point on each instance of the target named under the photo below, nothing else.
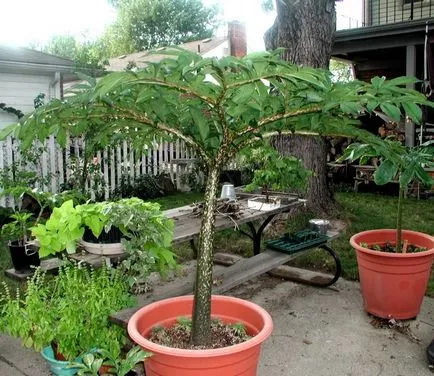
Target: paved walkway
(319, 332)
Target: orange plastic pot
(393, 284)
(241, 359)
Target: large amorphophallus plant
(217, 107)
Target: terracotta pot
(241, 359)
(393, 284)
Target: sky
(33, 22)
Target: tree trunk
(305, 28)
(202, 291)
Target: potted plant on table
(394, 264)
(145, 234)
(273, 172)
(217, 107)
(67, 316)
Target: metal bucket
(228, 191)
(319, 225)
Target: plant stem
(201, 326)
(399, 221)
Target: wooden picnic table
(187, 228)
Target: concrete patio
(317, 332)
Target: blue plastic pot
(58, 367)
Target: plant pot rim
(263, 334)
(48, 354)
(356, 238)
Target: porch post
(410, 70)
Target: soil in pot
(21, 259)
(390, 247)
(178, 335)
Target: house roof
(140, 59)
(26, 57)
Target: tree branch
(179, 88)
(277, 117)
(139, 118)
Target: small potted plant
(394, 264)
(17, 232)
(106, 362)
(273, 172)
(23, 249)
(67, 316)
(146, 234)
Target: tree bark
(201, 326)
(305, 28)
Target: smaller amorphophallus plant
(272, 171)
(397, 162)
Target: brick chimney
(237, 38)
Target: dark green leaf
(385, 173)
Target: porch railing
(383, 12)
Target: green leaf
(8, 130)
(405, 80)
(385, 173)
(391, 111)
(201, 121)
(350, 107)
(413, 111)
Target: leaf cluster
(272, 171)
(72, 309)
(120, 366)
(396, 161)
(219, 106)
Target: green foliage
(275, 172)
(147, 233)
(72, 310)
(120, 366)
(89, 55)
(145, 187)
(18, 228)
(396, 161)
(145, 24)
(218, 107)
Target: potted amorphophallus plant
(394, 264)
(218, 107)
(273, 172)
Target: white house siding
(390, 11)
(19, 91)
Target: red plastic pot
(241, 359)
(393, 284)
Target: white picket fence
(57, 165)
